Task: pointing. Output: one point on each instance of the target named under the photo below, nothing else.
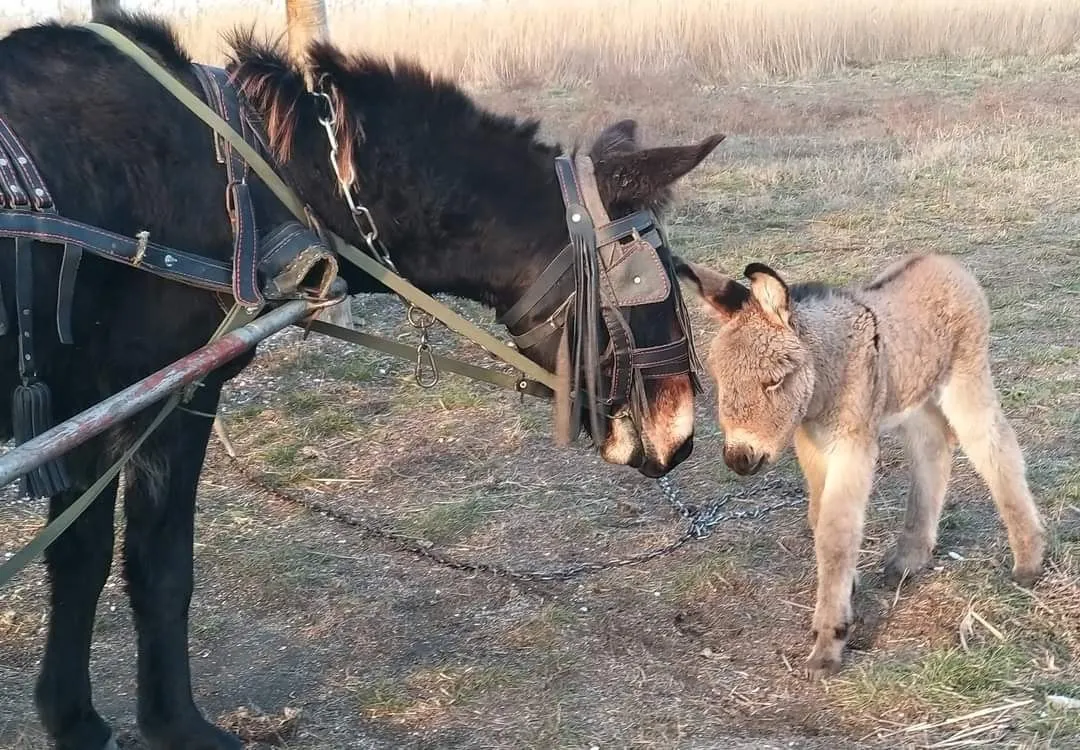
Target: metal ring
(426, 319)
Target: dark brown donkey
(468, 203)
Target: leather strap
(11, 192)
(35, 193)
(26, 190)
(245, 283)
(543, 284)
(551, 325)
(65, 292)
(24, 308)
(590, 192)
(222, 96)
(640, 221)
(663, 360)
(165, 261)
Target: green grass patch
(934, 686)
(450, 521)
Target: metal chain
(701, 522)
(357, 210)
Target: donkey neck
(825, 326)
(471, 212)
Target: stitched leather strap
(222, 96)
(159, 259)
(34, 191)
(24, 307)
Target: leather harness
(630, 271)
(265, 267)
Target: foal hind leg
(160, 506)
(930, 443)
(971, 405)
(77, 563)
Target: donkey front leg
(848, 479)
(78, 564)
(160, 505)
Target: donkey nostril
(741, 460)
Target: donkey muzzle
(743, 459)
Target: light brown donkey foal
(832, 368)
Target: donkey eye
(775, 384)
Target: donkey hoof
(821, 667)
(1027, 576)
(110, 744)
(825, 660)
(902, 565)
(206, 737)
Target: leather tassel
(31, 415)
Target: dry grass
(567, 43)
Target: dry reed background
(567, 43)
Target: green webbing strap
(448, 317)
(60, 524)
(366, 263)
(443, 364)
(237, 317)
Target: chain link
(357, 210)
(701, 522)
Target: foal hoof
(821, 667)
(903, 565)
(826, 658)
(1027, 575)
(110, 744)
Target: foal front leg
(160, 505)
(848, 479)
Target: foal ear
(770, 292)
(638, 178)
(722, 295)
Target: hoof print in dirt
(691, 623)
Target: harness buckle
(143, 237)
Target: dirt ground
(377, 648)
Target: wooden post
(306, 22)
(100, 8)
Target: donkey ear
(770, 292)
(721, 294)
(640, 178)
(620, 138)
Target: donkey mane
(275, 85)
(152, 33)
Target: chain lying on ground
(700, 524)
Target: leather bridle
(617, 265)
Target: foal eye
(774, 384)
